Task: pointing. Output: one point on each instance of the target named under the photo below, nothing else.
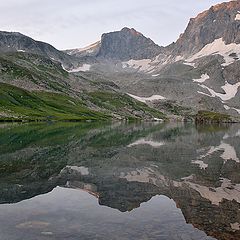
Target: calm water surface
(72, 181)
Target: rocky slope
(200, 71)
(16, 42)
(219, 22)
(34, 87)
(121, 45)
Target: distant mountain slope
(33, 87)
(200, 71)
(213, 31)
(17, 42)
(120, 45)
(221, 21)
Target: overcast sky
(77, 23)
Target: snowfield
(83, 68)
(237, 18)
(147, 99)
(230, 53)
(218, 47)
(227, 191)
(201, 164)
(189, 64)
(89, 49)
(232, 108)
(143, 141)
(143, 65)
(230, 91)
(203, 78)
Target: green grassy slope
(19, 104)
(124, 105)
(16, 103)
(212, 117)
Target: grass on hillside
(123, 104)
(212, 117)
(17, 103)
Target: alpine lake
(77, 181)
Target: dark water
(124, 181)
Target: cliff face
(127, 44)
(120, 45)
(220, 21)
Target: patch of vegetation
(33, 68)
(123, 104)
(39, 106)
(175, 109)
(14, 70)
(212, 117)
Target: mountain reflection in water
(123, 181)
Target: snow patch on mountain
(147, 99)
(230, 91)
(235, 226)
(232, 108)
(237, 18)
(218, 46)
(143, 65)
(202, 79)
(189, 64)
(83, 68)
(89, 49)
(201, 164)
(144, 141)
(178, 58)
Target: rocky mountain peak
(131, 31)
(127, 44)
(121, 45)
(226, 10)
(220, 21)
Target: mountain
(16, 42)
(219, 22)
(216, 28)
(195, 77)
(120, 45)
(200, 71)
